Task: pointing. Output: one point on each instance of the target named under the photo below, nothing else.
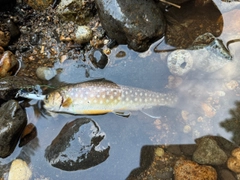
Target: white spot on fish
(127, 99)
(136, 99)
(111, 97)
(91, 95)
(98, 96)
(95, 101)
(101, 101)
(141, 94)
(103, 96)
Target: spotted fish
(103, 96)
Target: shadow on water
(205, 98)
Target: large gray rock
(136, 23)
(12, 123)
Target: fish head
(53, 101)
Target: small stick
(172, 4)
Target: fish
(97, 97)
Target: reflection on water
(206, 107)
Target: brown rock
(39, 4)
(186, 169)
(4, 39)
(233, 162)
(7, 62)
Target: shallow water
(205, 102)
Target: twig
(172, 4)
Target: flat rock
(19, 170)
(136, 23)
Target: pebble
(180, 62)
(233, 162)
(45, 73)
(19, 170)
(209, 111)
(208, 152)
(4, 39)
(7, 62)
(186, 169)
(83, 34)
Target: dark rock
(29, 133)
(10, 85)
(136, 23)
(226, 174)
(79, 145)
(193, 19)
(13, 29)
(208, 152)
(98, 59)
(12, 122)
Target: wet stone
(226, 174)
(79, 145)
(10, 85)
(19, 170)
(233, 162)
(4, 39)
(186, 169)
(83, 34)
(208, 152)
(137, 23)
(12, 122)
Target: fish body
(102, 96)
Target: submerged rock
(136, 23)
(79, 145)
(12, 122)
(83, 34)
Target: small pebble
(83, 34)
(19, 170)
(45, 73)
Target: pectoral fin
(123, 114)
(67, 102)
